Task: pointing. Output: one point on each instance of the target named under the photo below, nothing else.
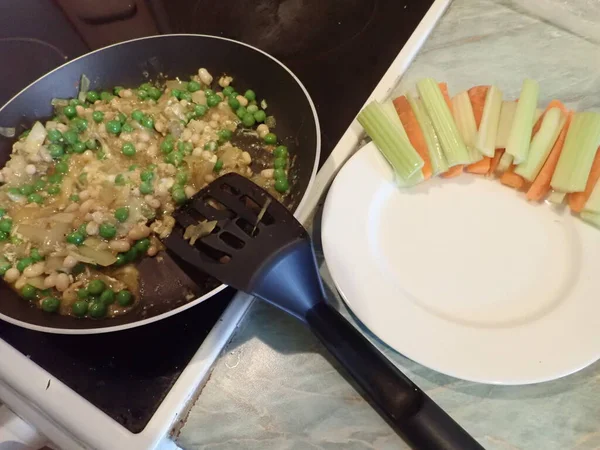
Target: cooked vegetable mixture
(92, 190)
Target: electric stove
(340, 49)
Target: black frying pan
(164, 287)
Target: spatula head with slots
(243, 230)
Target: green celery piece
(505, 161)
(453, 146)
(591, 218)
(542, 144)
(415, 179)
(390, 140)
(462, 111)
(507, 114)
(520, 132)
(557, 197)
(578, 153)
(593, 203)
(436, 154)
(490, 120)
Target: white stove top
(60, 418)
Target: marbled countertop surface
(275, 387)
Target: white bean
(88, 155)
(98, 217)
(209, 178)
(87, 206)
(152, 251)
(246, 158)
(213, 124)
(20, 283)
(62, 282)
(92, 228)
(184, 103)
(69, 262)
(84, 195)
(213, 159)
(267, 173)
(30, 169)
(225, 81)
(197, 152)
(110, 178)
(139, 231)
(127, 137)
(243, 100)
(143, 136)
(195, 138)
(152, 150)
(12, 275)
(72, 207)
(205, 76)
(189, 191)
(80, 110)
(119, 245)
(35, 270)
(62, 127)
(186, 135)
(141, 146)
(152, 202)
(159, 126)
(50, 280)
(125, 93)
(206, 155)
(215, 116)
(262, 130)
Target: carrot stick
(510, 178)
(477, 96)
(577, 200)
(414, 132)
(495, 161)
(456, 170)
(541, 185)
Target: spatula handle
(421, 422)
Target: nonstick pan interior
(165, 288)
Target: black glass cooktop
(338, 48)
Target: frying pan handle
(421, 422)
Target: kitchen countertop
(275, 387)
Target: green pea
(3, 236)
(175, 158)
(39, 185)
(270, 139)
(71, 136)
(225, 134)
(120, 180)
(193, 86)
(233, 103)
(35, 198)
(70, 111)
(188, 148)
(280, 151)
(132, 167)
(131, 254)
(250, 95)
(126, 128)
(211, 145)
(279, 173)
(82, 229)
(79, 147)
(75, 238)
(98, 116)
(185, 96)
(209, 92)
(124, 298)
(227, 91)
(108, 231)
(79, 308)
(166, 146)
(147, 175)
(252, 109)
(91, 144)
(22, 264)
(96, 287)
(280, 163)
(152, 167)
(25, 133)
(107, 297)
(34, 254)
(53, 190)
(122, 214)
(213, 100)
(74, 198)
(97, 310)
(50, 304)
(15, 240)
(218, 165)
(82, 177)
(142, 95)
(61, 167)
(146, 188)
(154, 93)
(79, 268)
(28, 292)
(6, 225)
(92, 96)
(14, 191)
(178, 195)
(101, 156)
(2, 212)
(148, 122)
(248, 120)
(175, 93)
(121, 260)
(241, 112)
(113, 126)
(142, 245)
(181, 177)
(137, 115)
(83, 294)
(200, 110)
(4, 266)
(26, 189)
(260, 116)
(145, 86)
(128, 149)
(117, 89)
(282, 185)
(106, 96)
(54, 136)
(80, 124)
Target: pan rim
(297, 212)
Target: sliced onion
(8, 132)
(35, 139)
(84, 86)
(89, 255)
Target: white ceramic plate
(464, 275)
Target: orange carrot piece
(495, 161)
(541, 185)
(477, 96)
(577, 200)
(414, 132)
(480, 167)
(456, 170)
(510, 178)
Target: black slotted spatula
(251, 242)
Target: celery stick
(390, 140)
(557, 197)
(591, 218)
(507, 114)
(436, 155)
(593, 203)
(453, 146)
(541, 144)
(416, 178)
(578, 153)
(390, 111)
(538, 114)
(505, 161)
(520, 133)
(488, 129)
(462, 111)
